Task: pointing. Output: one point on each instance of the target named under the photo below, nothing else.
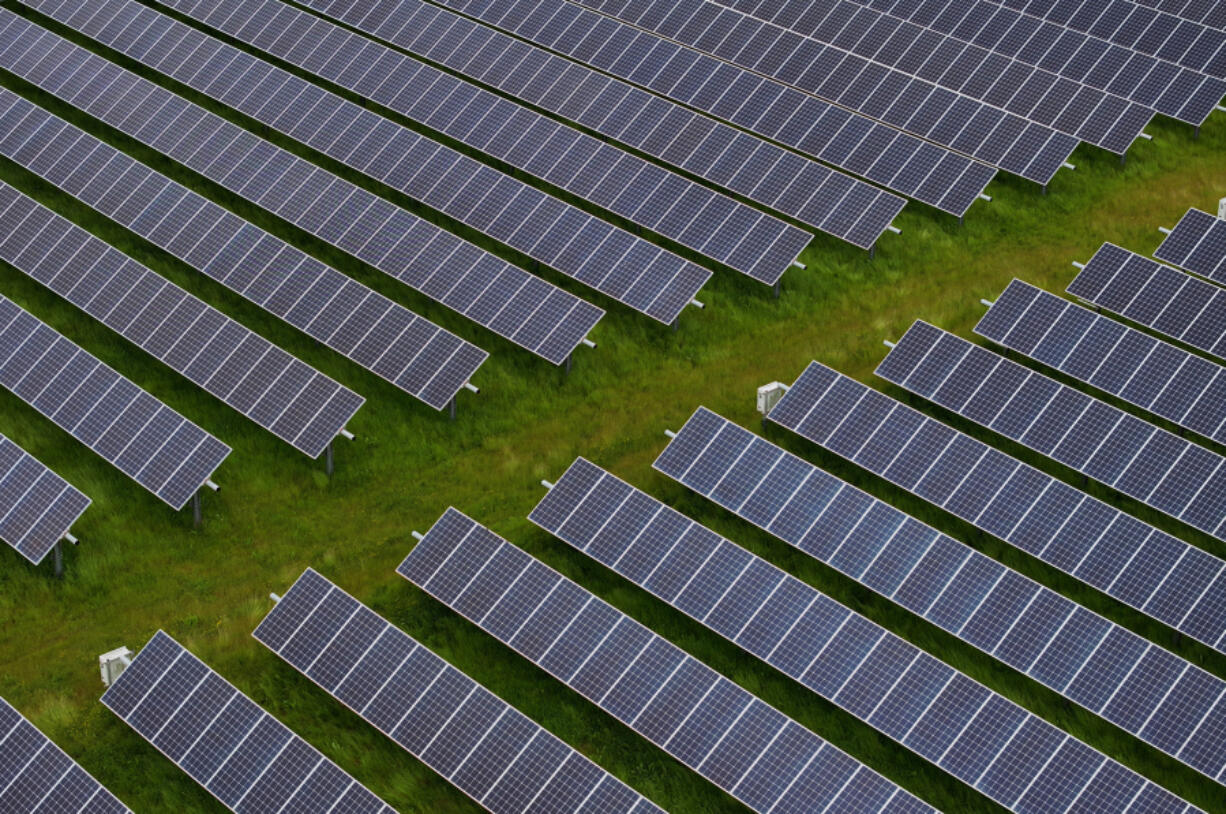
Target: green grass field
(141, 567)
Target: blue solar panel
(747, 748)
(36, 776)
(867, 671)
(248, 760)
(486, 748)
(1166, 380)
(630, 269)
(1198, 244)
(421, 359)
(1001, 56)
(130, 429)
(37, 506)
(528, 311)
(1016, 620)
(881, 154)
(1156, 467)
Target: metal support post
(451, 407)
(961, 220)
(197, 510)
(1045, 189)
(777, 287)
(328, 459)
(58, 554)
(1123, 158)
(569, 357)
(676, 322)
(872, 251)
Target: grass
(141, 567)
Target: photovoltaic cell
(882, 154)
(247, 759)
(1019, 622)
(317, 299)
(1156, 467)
(1032, 149)
(1156, 296)
(489, 750)
(1198, 244)
(1001, 56)
(130, 429)
(819, 198)
(1165, 380)
(526, 310)
(630, 269)
(1181, 31)
(712, 224)
(282, 394)
(722, 732)
(37, 506)
(36, 776)
(876, 676)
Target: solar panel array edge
(37, 506)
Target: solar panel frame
(1138, 26)
(1124, 362)
(999, 40)
(1206, 12)
(629, 269)
(290, 399)
(1032, 149)
(218, 244)
(1156, 296)
(918, 568)
(1198, 244)
(1086, 434)
(48, 781)
(179, 456)
(315, 607)
(199, 700)
(436, 566)
(627, 530)
(706, 221)
(884, 155)
(322, 204)
(37, 507)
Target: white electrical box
(113, 663)
(1221, 209)
(769, 395)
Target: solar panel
(36, 776)
(1156, 296)
(280, 393)
(745, 239)
(1209, 12)
(422, 359)
(1156, 467)
(1187, 37)
(1003, 57)
(895, 160)
(130, 429)
(725, 734)
(37, 506)
(1129, 364)
(1105, 668)
(1137, 564)
(526, 310)
(629, 269)
(1031, 149)
(1198, 244)
(486, 748)
(243, 756)
(988, 742)
(820, 199)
